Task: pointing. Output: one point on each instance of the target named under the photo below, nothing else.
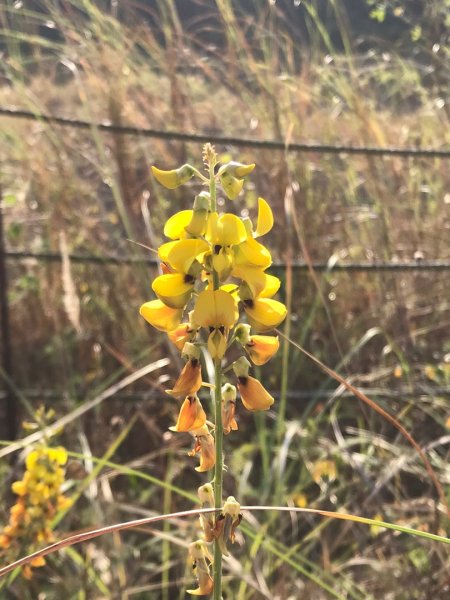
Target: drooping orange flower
(189, 380)
(191, 416)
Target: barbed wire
(226, 140)
(417, 265)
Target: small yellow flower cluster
(213, 269)
(39, 499)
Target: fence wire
(226, 140)
(416, 265)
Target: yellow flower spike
(181, 334)
(236, 169)
(174, 178)
(174, 289)
(229, 394)
(254, 396)
(217, 344)
(205, 445)
(159, 315)
(181, 254)
(264, 222)
(175, 227)
(191, 416)
(261, 348)
(189, 380)
(215, 308)
(252, 254)
(264, 313)
(225, 230)
(231, 185)
(201, 559)
(198, 223)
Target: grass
(386, 331)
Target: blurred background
(361, 243)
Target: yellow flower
(197, 225)
(217, 343)
(225, 230)
(201, 559)
(236, 169)
(174, 289)
(227, 522)
(189, 380)
(216, 309)
(191, 416)
(180, 254)
(159, 315)
(229, 408)
(204, 444)
(206, 497)
(265, 218)
(257, 282)
(251, 253)
(261, 348)
(264, 313)
(181, 334)
(231, 185)
(174, 178)
(253, 394)
(175, 227)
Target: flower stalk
(214, 273)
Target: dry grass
(392, 328)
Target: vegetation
(80, 347)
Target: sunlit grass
(389, 328)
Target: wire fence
(416, 265)
(286, 146)
(179, 136)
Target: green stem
(218, 474)
(218, 469)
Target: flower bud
(236, 169)
(174, 178)
(231, 186)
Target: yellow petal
(189, 380)
(181, 334)
(207, 453)
(252, 254)
(159, 315)
(175, 226)
(182, 253)
(215, 308)
(223, 262)
(261, 348)
(254, 396)
(173, 178)
(231, 186)
(191, 416)
(265, 218)
(225, 230)
(217, 344)
(271, 286)
(164, 249)
(174, 289)
(264, 313)
(259, 283)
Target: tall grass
(241, 74)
